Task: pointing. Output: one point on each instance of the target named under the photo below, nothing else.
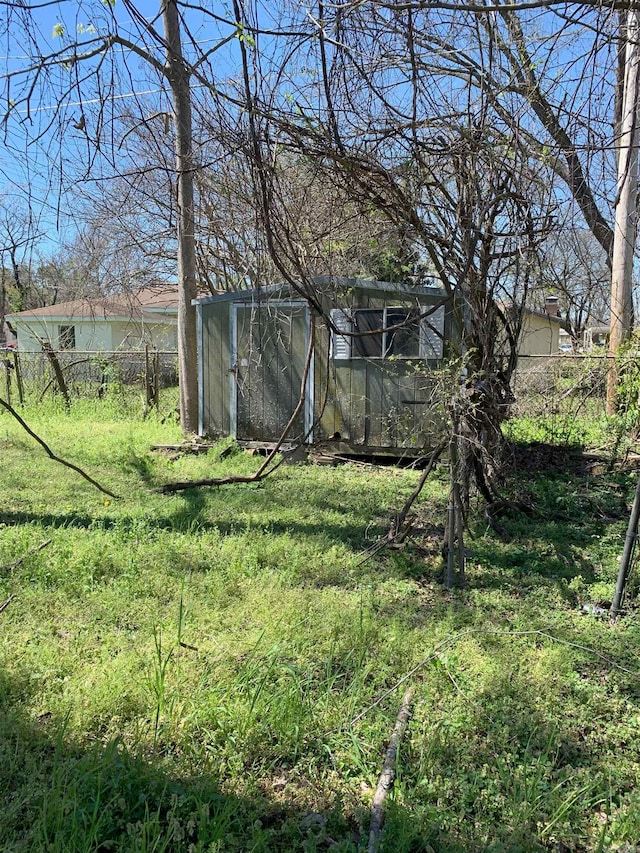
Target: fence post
(57, 369)
(7, 371)
(16, 365)
(627, 554)
(147, 379)
(156, 379)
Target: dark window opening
(401, 342)
(66, 337)
(367, 345)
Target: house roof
(543, 314)
(530, 312)
(156, 299)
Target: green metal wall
(368, 402)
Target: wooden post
(7, 372)
(156, 379)
(451, 538)
(624, 235)
(16, 365)
(455, 515)
(57, 370)
(177, 72)
(147, 379)
(459, 533)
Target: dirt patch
(539, 457)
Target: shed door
(269, 346)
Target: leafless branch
(50, 452)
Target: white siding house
(123, 321)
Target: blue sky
(44, 152)
(42, 149)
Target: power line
(88, 101)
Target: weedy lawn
(220, 670)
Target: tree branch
(50, 452)
(387, 776)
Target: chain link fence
(561, 393)
(34, 377)
(557, 394)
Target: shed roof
(324, 282)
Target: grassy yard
(220, 670)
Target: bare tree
(574, 269)
(18, 237)
(445, 171)
(89, 65)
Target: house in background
(596, 338)
(540, 334)
(565, 343)
(122, 321)
(370, 383)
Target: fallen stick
(399, 529)
(388, 774)
(6, 603)
(397, 533)
(11, 566)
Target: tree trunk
(3, 301)
(626, 217)
(178, 75)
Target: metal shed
(370, 384)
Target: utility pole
(625, 223)
(177, 73)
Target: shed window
(66, 337)
(387, 332)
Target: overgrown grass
(183, 673)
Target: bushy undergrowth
(202, 672)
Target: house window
(387, 333)
(66, 337)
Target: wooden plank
(326, 407)
(390, 409)
(337, 401)
(409, 409)
(348, 449)
(223, 347)
(211, 372)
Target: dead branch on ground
(51, 454)
(6, 603)
(387, 776)
(9, 567)
(399, 530)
